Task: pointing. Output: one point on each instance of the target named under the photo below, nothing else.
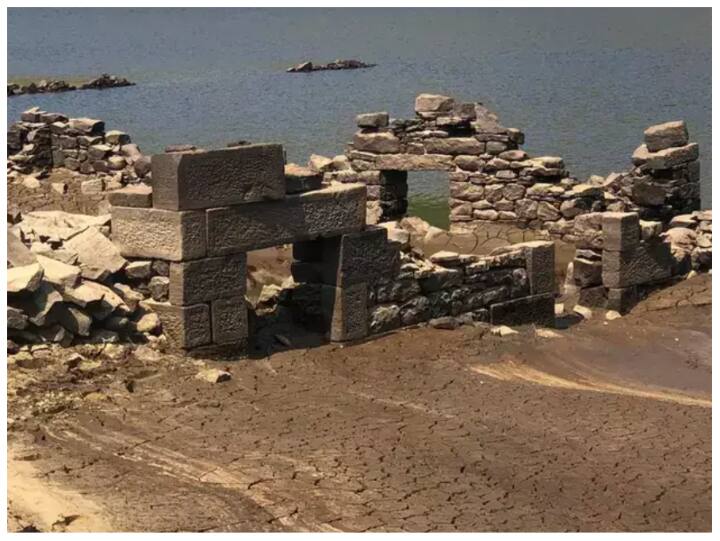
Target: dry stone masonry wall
(209, 208)
(619, 257)
(42, 140)
(492, 180)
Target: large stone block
(414, 162)
(134, 195)
(229, 320)
(159, 234)
(454, 145)
(669, 134)
(346, 311)
(649, 262)
(362, 256)
(587, 273)
(185, 326)
(621, 231)
(379, 142)
(205, 179)
(670, 157)
(537, 309)
(207, 279)
(622, 299)
(331, 211)
(540, 265)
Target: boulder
(372, 120)
(97, 255)
(57, 273)
(669, 134)
(38, 305)
(18, 255)
(16, 319)
(381, 142)
(24, 279)
(433, 103)
(321, 164)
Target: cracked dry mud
(605, 428)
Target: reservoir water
(581, 83)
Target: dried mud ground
(606, 427)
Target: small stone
(213, 375)
(146, 354)
(159, 288)
(502, 330)
(148, 323)
(138, 270)
(583, 311)
(59, 187)
(612, 314)
(445, 258)
(547, 333)
(445, 322)
(31, 182)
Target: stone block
(622, 299)
(229, 320)
(372, 120)
(136, 195)
(455, 146)
(537, 309)
(331, 211)
(620, 231)
(205, 179)
(207, 279)
(540, 265)
(185, 326)
(414, 162)
(593, 297)
(649, 262)
(670, 157)
(301, 179)
(587, 273)
(433, 103)
(345, 310)
(362, 256)
(159, 234)
(379, 142)
(669, 134)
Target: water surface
(581, 83)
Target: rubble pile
(68, 283)
(665, 178)
(58, 85)
(620, 257)
(42, 140)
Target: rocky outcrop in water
(306, 67)
(46, 86)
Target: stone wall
(493, 181)
(207, 209)
(619, 257)
(42, 140)
(665, 178)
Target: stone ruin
(207, 209)
(42, 141)
(179, 246)
(494, 182)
